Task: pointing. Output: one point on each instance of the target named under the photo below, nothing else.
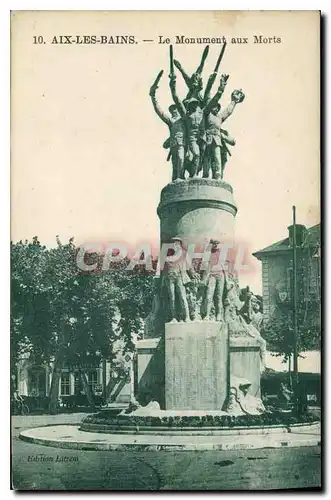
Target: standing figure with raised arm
(177, 132)
(192, 115)
(216, 137)
(212, 77)
(194, 82)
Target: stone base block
(149, 371)
(195, 365)
(245, 362)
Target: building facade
(35, 380)
(114, 381)
(277, 275)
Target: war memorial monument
(197, 370)
(200, 332)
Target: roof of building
(312, 239)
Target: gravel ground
(37, 467)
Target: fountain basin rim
(206, 430)
(70, 437)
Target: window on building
(65, 384)
(289, 277)
(78, 384)
(313, 275)
(93, 379)
(37, 381)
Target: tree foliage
(279, 330)
(62, 316)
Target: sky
(86, 147)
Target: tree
(65, 317)
(30, 314)
(279, 332)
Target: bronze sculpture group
(186, 293)
(197, 140)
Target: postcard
(165, 250)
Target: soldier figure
(175, 277)
(214, 280)
(192, 115)
(195, 294)
(216, 138)
(194, 82)
(197, 140)
(195, 87)
(177, 132)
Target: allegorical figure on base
(239, 313)
(240, 402)
(253, 319)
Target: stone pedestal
(149, 371)
(150, 364)
(191, 367)
(245, 362)
(195, 365)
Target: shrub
(265, 419)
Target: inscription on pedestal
(195, 365)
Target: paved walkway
(20, 422)
(70, 437)
(25, 421)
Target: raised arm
(183, 72)
(203, 60)
(212, 102)
(213, 76)
(237, 97)
(177, 101)
(210, 83)
(158, 110)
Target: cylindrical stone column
(197, 210)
